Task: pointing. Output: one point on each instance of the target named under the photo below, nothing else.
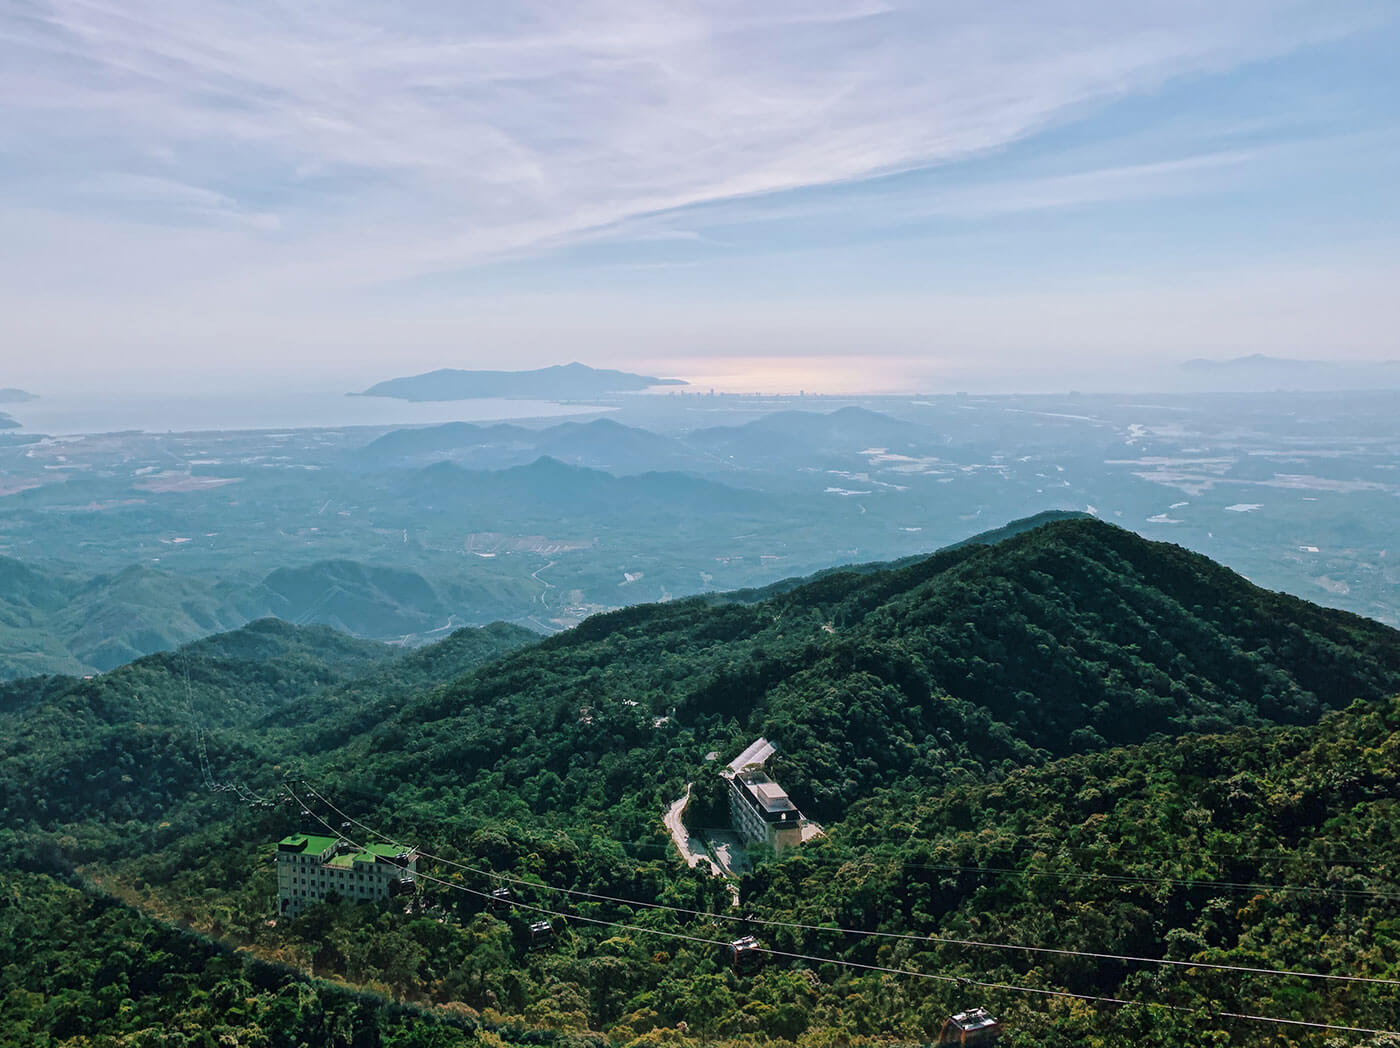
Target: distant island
(1260, 373)
(551, 383)
(15, 396)
(6, 422)
(1254, 360)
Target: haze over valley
(125, 543)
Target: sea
(75, 413)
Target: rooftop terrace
(312, 844)
(307, 843)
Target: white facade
(759, 808)
(309, 868)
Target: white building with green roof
(311, 867)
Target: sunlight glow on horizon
(210, 193)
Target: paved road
(693, 849)
(729, 851)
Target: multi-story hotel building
(759, 808)
(311, 867)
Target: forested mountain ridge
(80, 967)
(1066, 701)
(54, 622)
(1258, 848)
(1165, 850)
(983, 538)
(90, 749)
(1066, 638)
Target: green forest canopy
(989, 735)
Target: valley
(152, 539)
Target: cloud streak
(277, 184)
(368, 142)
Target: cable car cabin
(541, 935)
(500, 899)
(403, 886)
(972, 1027)
(745, 955)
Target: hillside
(123, 744)
(356, 598)
(1166, 850)
(797, 435)
(55, 622)
(566, 381)
(1070, 698)
(548, 489)
(1070, 637)
(66, 954)
(1259, 372)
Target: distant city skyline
(834, 195)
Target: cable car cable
(1218, 885)
(908, 936)
(984, 984)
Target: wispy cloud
(374, 141)
(288, 183)
(163, 200)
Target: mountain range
(1066, 737)
(599, 444)
(778, 439)
(56, 619)
(57, 622)
(1260, 372)
(798, 434)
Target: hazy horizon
(831, 377)
(846, 195)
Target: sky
(836, 195)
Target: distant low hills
(565, 381)
(547, 485)
(784, 437)
(600, 444)
(1259, 372)
(796, 434)
(10, 395)
(55, 622)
